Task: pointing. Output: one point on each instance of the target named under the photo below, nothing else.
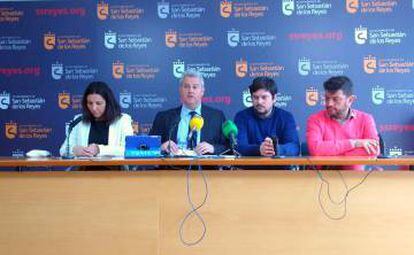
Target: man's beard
(263, 115)
(340, 114)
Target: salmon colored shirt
(328, 137)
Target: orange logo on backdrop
(118, 70)
(370, 64)
(241, 68)
(10, 130)
(49, 41)
(171, 38)
(352, 6)
(225, 9)
(64, 100)
(102, 11)
(312, 96)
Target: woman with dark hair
(102, 129)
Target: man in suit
(173, 124)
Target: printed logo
(352, 6)
(125, 100)
(163, 10)
(27, 131)
(378, 95)
(110, 40)
(370, 64)
(371, 6)
(241, 68)
(17, 153)
(249, 39)
(304, 66)
(395, 151)
(306, 7)
(247, 98)
(4, 100)
(225, 9)
(103, 11)
(233, 38)
(288, 7)
(171, 38)
(10, 14)
(178, 68)
(49, 41)
(243, 9)
(64, 100)
(118, 12)
(72, 72)
(379, 36)
(129, 100)
(316, 36)
(118, 69)
(188, 10)
(14, 43)
(65, 42)
(307, 66)
(57, 71)
(312, 96)
(121, 41)
(361, 35)
(187, 40)
(11, 130)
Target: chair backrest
(304, 151)
(381, 144)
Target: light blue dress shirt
(182, 132)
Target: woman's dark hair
(265, 83)
(112, 109)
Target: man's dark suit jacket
(166, 124)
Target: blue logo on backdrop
(178, 68)
(378, 95)
(304, 66)
(233, 38)
(125, 99)
(288, 6)
(361, 34)
(4, 100)
(57, 71)
(163, 10)
(110, 40)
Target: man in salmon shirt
(340, 130)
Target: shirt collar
(185, 111)
(351, 115)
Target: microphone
(196, 123)
(71, 125)
(275, 141)
(230, 132)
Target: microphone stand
(233, 146)
(67, 154)
(71, 125)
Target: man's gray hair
(192, 73)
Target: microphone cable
(344, 199)
(194, 209)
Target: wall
(51, 50)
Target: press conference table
(205, 161)
(247, 211)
